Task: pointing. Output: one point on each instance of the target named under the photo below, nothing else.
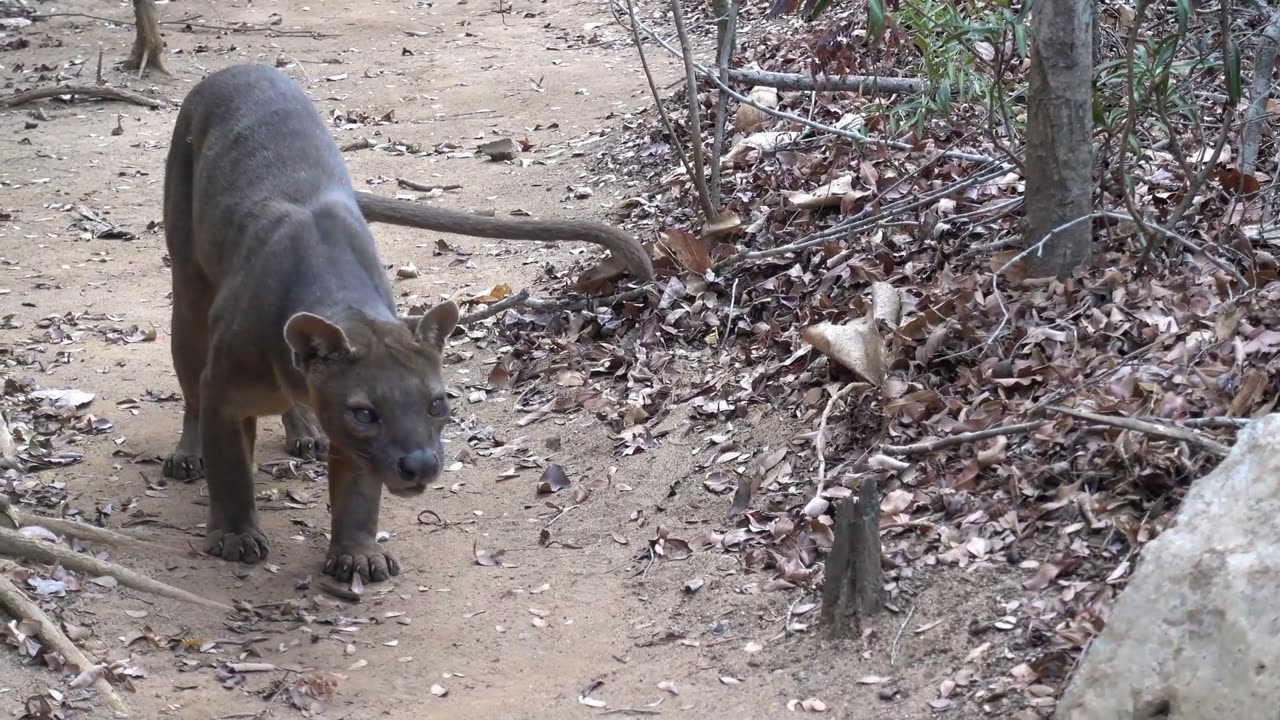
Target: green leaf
(875, 18)
(1184, 15)
(943, 96)
(1026, 8)
(1235, 80)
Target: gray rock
(1196, 634)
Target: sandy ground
(522, 640)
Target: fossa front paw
(303, 436)
(368, 560)
(248, 546)
(183, 466)
(308, 447)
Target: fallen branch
(1147, 428)
(188, 21)
(420, 187)
(943, 443)
(868, 84)
(16, 603)
(80, 531)
(15, 544)
(92, 91)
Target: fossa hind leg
(189, 342)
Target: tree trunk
(1059, 137)
(1264, 67)
(148, 46)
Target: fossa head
(377, 387)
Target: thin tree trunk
(1260, 90)
(1059, 163)
(148, 46)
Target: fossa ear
(433, 327)
(312, 337)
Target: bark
(854, 584)
(1059, 145)
(148, 46)
(1259, 91)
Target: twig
(17, 604)
(17, 545)
(695, 115)
(1184, 242)
(1036, 248)
(863, 220)
(1217, 422)
(868, 84)
(100, 93)
(820, 442)
(524, 299)
(893, 650)
(420, 187)
(1147, 428)
(942, 443)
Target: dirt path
(519, 640)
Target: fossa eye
(364, 415)
(439, 408)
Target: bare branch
(866, 84)
(1147, 428)
(91, 91)
(943, 443)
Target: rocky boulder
(1196, 634)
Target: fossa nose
(419, 466)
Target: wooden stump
(854, 586)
